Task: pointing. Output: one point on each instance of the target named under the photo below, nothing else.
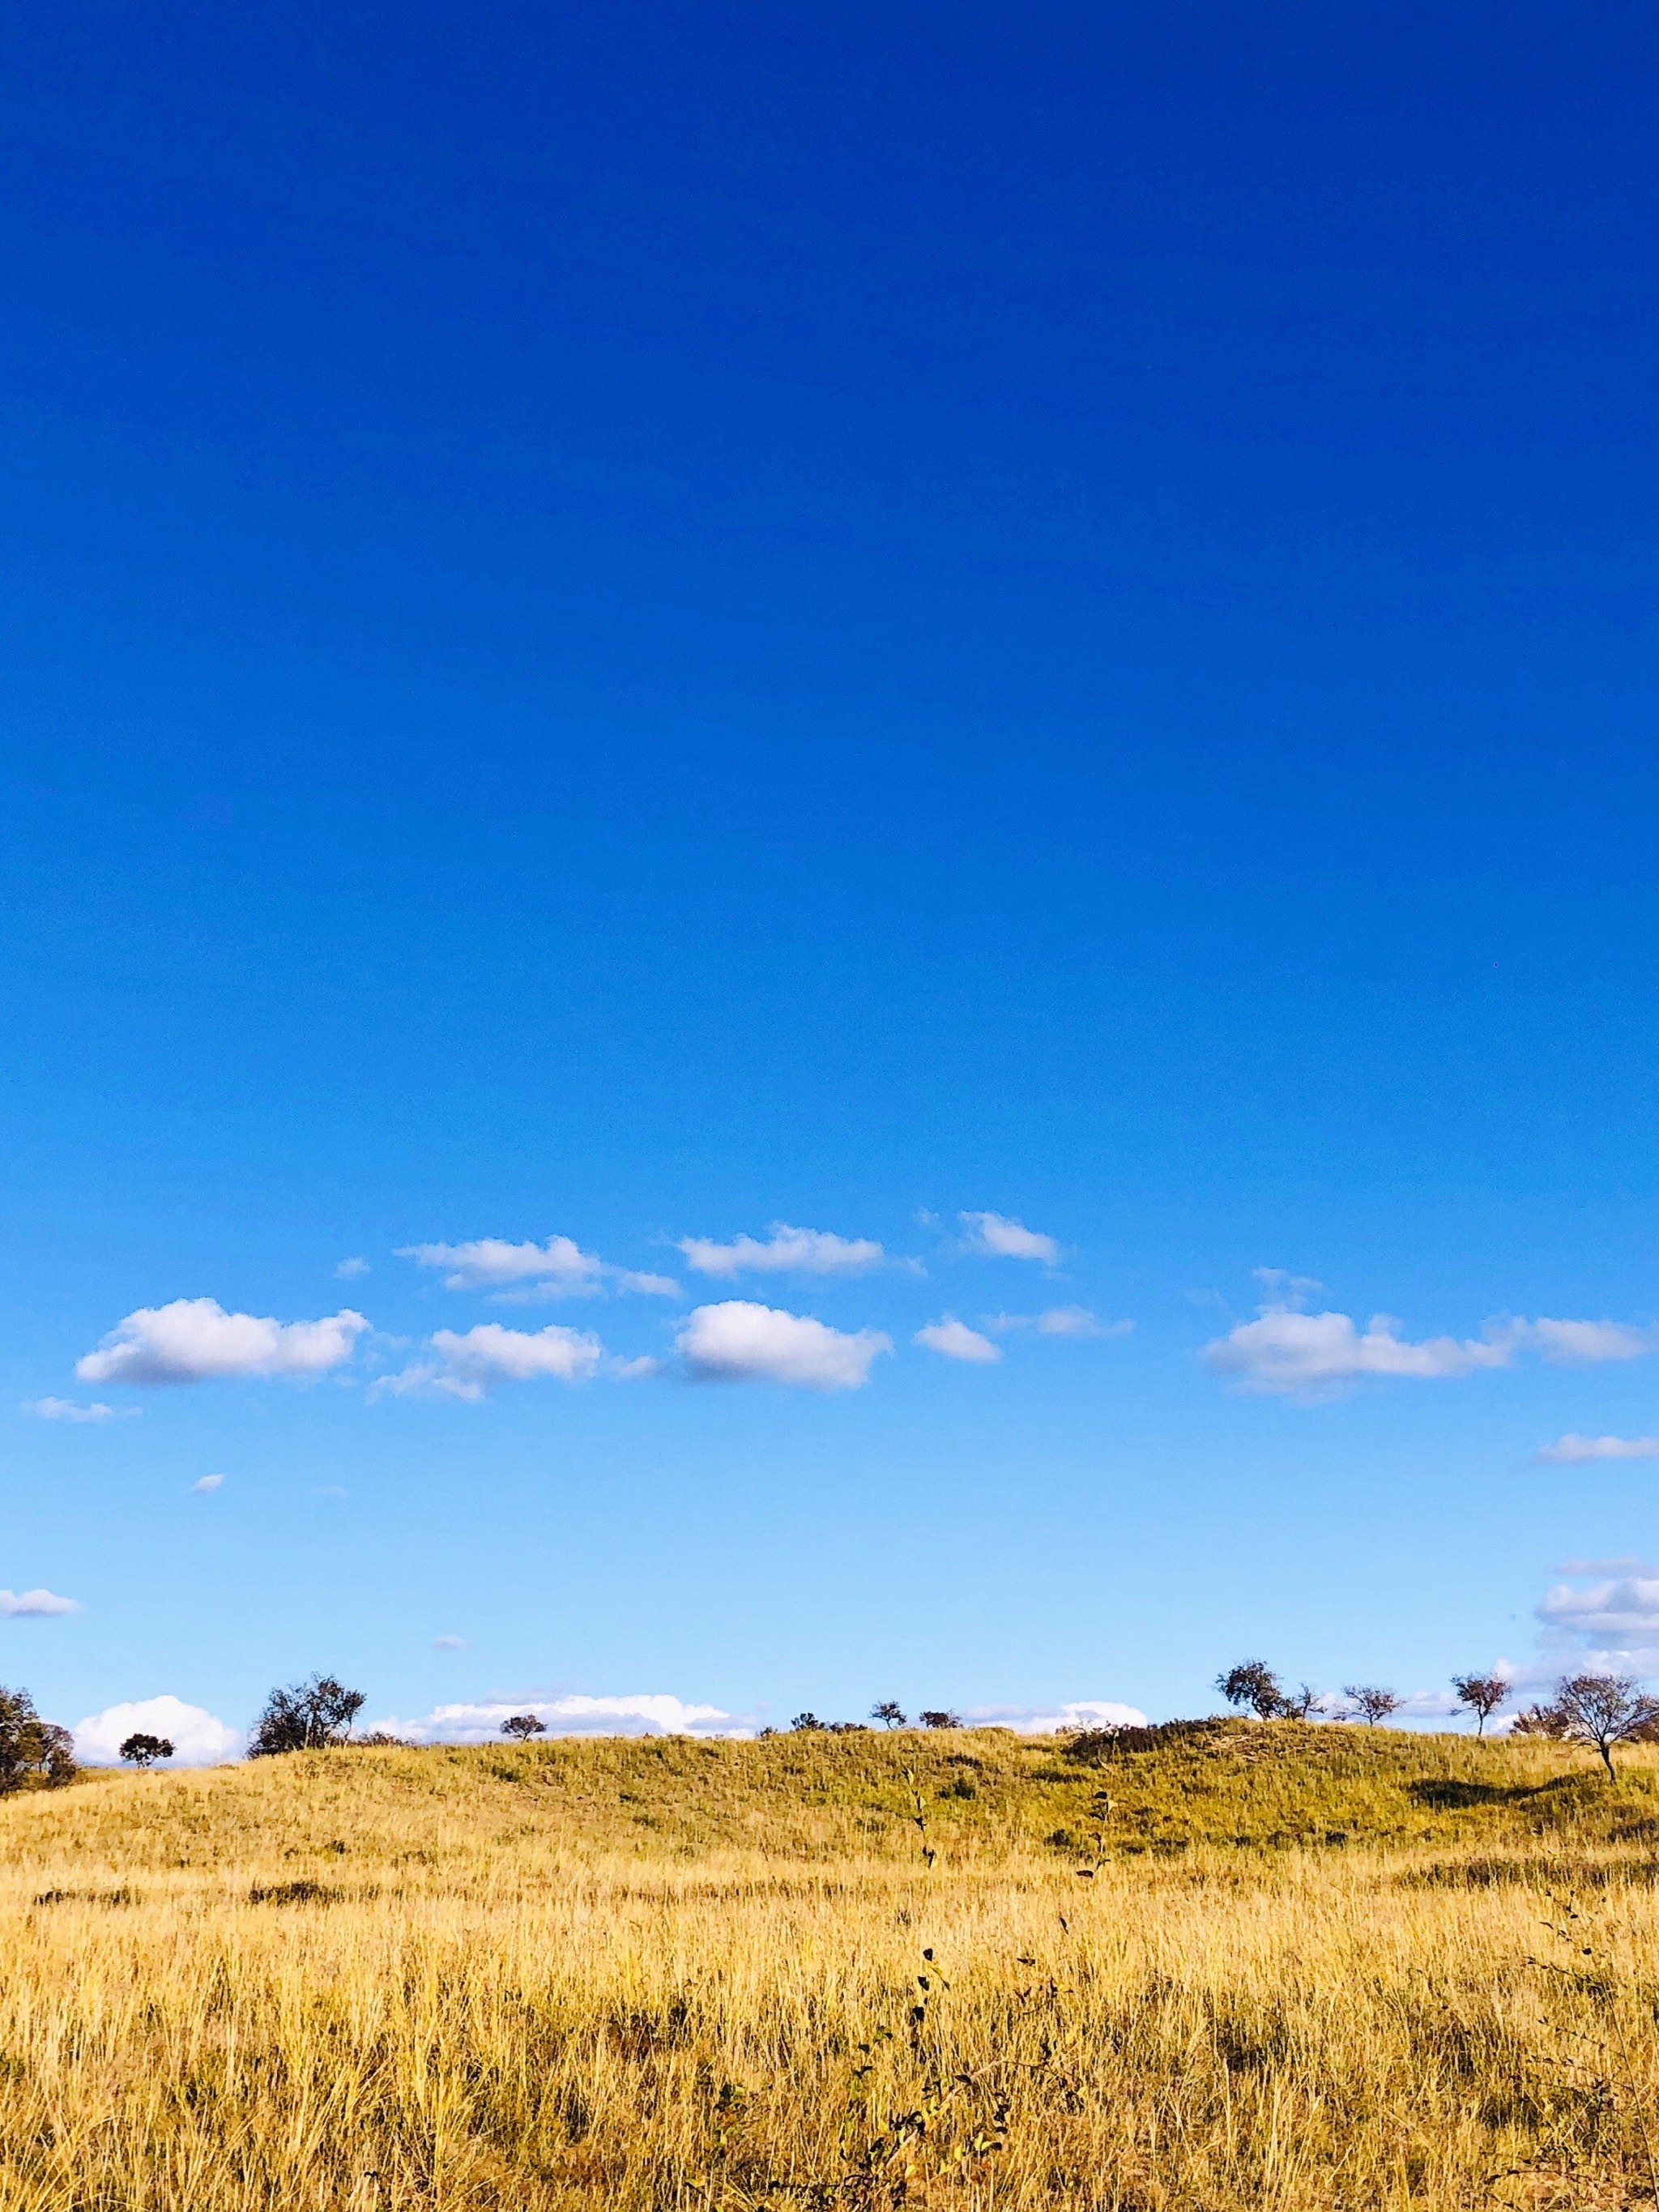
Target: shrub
(940, 1719)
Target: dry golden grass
(673, 1974)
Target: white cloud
(198, 1738)
(557, 1269)
(652, 1714)
(787, 1250)
(740, 1341)
(466, 1363)
(1585, 1342)
(65, 1409)
(994, 1237)
(1051, 1720)
(196, 1340)
(449, 1643)
(1572, 1447)
(348, 1268)
(957, 1342)
(34, 1605)
(207, 1485)
(1061, 1321)
(1611, 1613)
(1297, 1354)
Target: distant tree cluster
(1599, 1711)
(307, 1715)
(31, 1749)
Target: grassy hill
(1301, 1966)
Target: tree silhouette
(1253, 1683)
(523, 1726)
(890, 1715)
(940, 1720)
(1371, 1701)
(143, 1750)
(306, 1716)
(1482, 1694)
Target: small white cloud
(1285, 1289)
(349, 1268)
(207, 1485)
(466, 1363)
(34, 1605)
(65, 1409)
(994, 1237)
(1614, 1612)
(557, 1269)
(1571, 1447)
(1051, 1720)
(648, 1715)
(198, 1738)
(196, 1340)
(740, 1341)
(635, 1371)
(955, 1340)
(449, 1643)
(786, 1251)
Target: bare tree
(888, 1714)
(144, 1750)
(940, 1719)
(1603, 1710)
(1482, 1694)
(522, 1726)
(306, 1716)
(1371, 1701)
(1253, 1684)
(1300, 1705)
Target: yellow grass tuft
(1307, 1967)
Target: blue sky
(632, 628)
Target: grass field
(1309, 1967)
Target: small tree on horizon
(522, 1726)
(940, 1719)
(1371, 1701)
(1253, 1685)
(307, 1715)
(1602, 1710)
(888, 1714)
(1482, 1694)
(142, 1751)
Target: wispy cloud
(786, 1251)
(449, 1643)
(955, 1340)
(196, 1340)
(654, 1713)
(34, 1605)
(465, 1364)
(1571, 1447)
(556, 1269)
(65, 1409)
(1060, 1321)
(995, 1237)
(207, 1485)
(741, 1341)
(1292, 1354)
(198, 1737)
(348, 1268)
